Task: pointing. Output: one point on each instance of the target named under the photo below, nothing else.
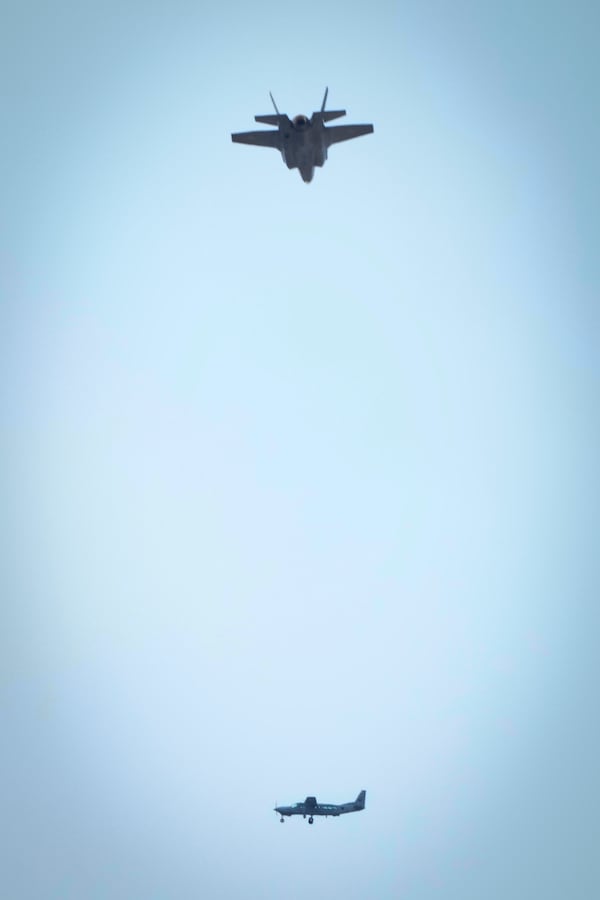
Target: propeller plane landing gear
(311, 820)
(282, 820)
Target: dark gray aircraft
(302, 142)
(311, 808)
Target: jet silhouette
(302, 142)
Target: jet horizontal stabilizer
(330, 114)
(268, 120)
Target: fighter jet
(302, 142)
(311, 808)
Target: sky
(299, 482)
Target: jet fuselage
(303, 146)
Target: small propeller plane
(311, 808)
(302, 142)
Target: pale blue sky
(299, 484)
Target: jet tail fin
(274, 104)
(279, 120)
(327, 115)
(359, 803)
(332, 114)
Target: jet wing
(259, 138)
(337, 133)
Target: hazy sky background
(299, 486)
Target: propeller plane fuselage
(303, 142)
(311, 808)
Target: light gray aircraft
(311, 808)
(302, 142)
